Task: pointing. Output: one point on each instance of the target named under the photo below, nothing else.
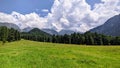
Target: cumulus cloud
(45, 10)
(78, 16)
(23, 21)
(67, 14)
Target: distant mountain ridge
(110, 27)
(62, 32)
(27, 29)
(37, 31)
(50, 31)
(10, 25)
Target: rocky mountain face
(110, 27)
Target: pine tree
(4, 34)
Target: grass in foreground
(29, 54)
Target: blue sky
(25, 6)
(29, 6)
(93, 2)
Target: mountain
(50, 31)
(62, 32)
(10, 25)
(27, 29)
(39, 32)
(110, 27)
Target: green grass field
(30, 54)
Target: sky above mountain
(77, 15)
(41, 7)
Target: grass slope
(29, 54)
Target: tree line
(87, 38)
(9, 34)
(34, 37)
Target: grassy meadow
(30, 54)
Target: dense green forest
(9, 35)
(88, 38)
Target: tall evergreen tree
(4, 34)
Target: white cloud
(6, 17)
(67, 14)
(77, 14)
(29, 20)
(45, 10)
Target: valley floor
(30, 54)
